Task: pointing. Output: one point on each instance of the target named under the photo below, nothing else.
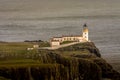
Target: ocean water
(42, 19)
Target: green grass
(14, 47)
(19, 52)
(76, 52)
(44, 44)
(66, 42)
(71, 53)
(19, 62)
(18, 47)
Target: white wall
(85, 35)
(56, 43)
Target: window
(74, 39)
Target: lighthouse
(85, 32)
(56, 41)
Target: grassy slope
(15, 47)
(66, 42)
(48, 58)
(18, 47)
(15, 52)
(12, 53)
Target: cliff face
(69, 70)
(77, 62)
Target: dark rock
(107, 69)
(55, 66)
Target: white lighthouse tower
(85, 32)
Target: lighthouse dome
(85, 30)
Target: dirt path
(61, 46)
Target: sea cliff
(77, 62)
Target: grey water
(105, 33)
(42, 19)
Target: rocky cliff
(77, 62)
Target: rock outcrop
(83, 63)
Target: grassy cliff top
(16, 53)
(66, 63)
(18, 47)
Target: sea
(22, 20)
(104, 32)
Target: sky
(39, 9)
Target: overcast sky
(29, 9)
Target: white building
(36, 46)
(85, 32)
(55, 41)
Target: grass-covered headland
(77, 62)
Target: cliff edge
(77, 62)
